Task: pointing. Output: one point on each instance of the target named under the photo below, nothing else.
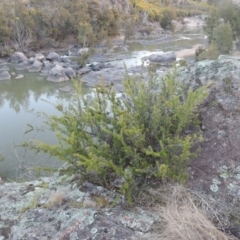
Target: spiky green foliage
(148, 132)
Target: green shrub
(167, 15)
(145, 134)
(211, 53)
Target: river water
(22, 101)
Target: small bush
(167, 15)
(147, 133)
(211, 53)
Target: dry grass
(56, 200)
(188, 216)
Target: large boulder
(52, 56)
(22, 66)
(5, 75)
(36, 66)
(57, 74)
(163, 58)
(70, 72)
(18, 57)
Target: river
(22, 101)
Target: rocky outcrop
(58, 208)
(216, 169)
(4, 75)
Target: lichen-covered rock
(56, 208)
(216, 169)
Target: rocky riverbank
(61, 208)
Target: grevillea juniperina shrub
(147, 132)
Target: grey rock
(17, 57)
(40, 57)
(5, 75)
(4, 68)
(57, 74)
(97, 66)
(36, 67)
(52, 56)
(47, 66)
(109, 76)
(22, 66)
(84, 70)
(163, 59)
(70, 72)
(65, 59)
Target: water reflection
(21, 101)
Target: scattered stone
(18, 57)
(5, 75)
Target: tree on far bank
(223, 37)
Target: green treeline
(28, 24)
(36, 24)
